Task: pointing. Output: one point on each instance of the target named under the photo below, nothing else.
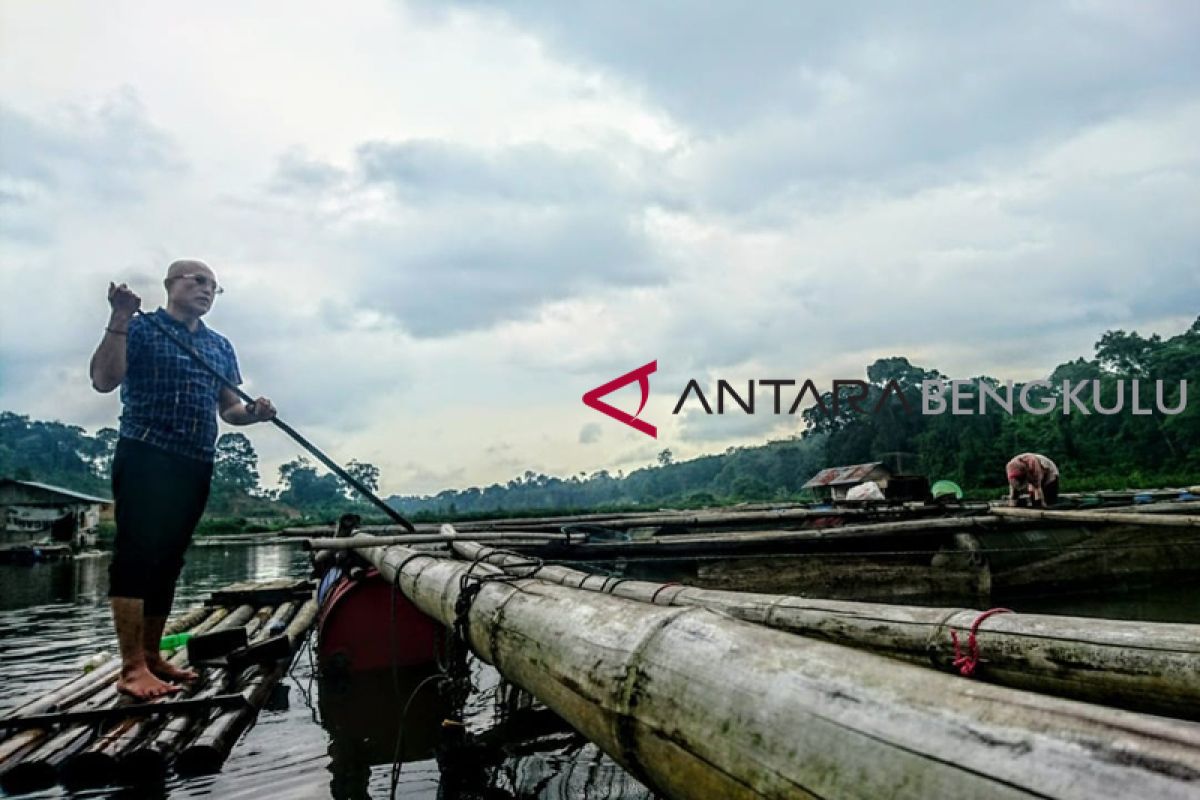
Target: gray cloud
(812, 106)
(424, 172)
(479, 238)
(297, 171)
(590, 433)
(109, 149)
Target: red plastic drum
(356, 631)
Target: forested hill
(1094, 450)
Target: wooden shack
(833, 483)
(33, 512)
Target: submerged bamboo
(208, 751)
(1144, 666)
(1103, 517)
(699, 705)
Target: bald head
(191, 288)
(187, 266)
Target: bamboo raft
(954, 554)
(983, 559)
(83, 734)
(701, 704)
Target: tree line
(1093, 450)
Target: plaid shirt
(171, 402)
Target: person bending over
(1035, 472)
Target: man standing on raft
(163, 465)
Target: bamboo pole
(1144, 666)
(699, 705)
(1103, 517)
(356, 542)
(208, 751)
(26, 746)
(698, 519)
(149, 756)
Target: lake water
(341, 740)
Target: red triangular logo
(642, 376)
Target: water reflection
(380, 718)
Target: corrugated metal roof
(58, 490)
(838, 476)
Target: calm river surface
(340, 741)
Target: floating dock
(699, 704)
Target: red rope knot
(966, 662)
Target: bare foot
(140, 683)
(168, 671)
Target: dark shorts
(1051, 491)
(159, 498)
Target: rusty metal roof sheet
(839, 476)
(58, 490)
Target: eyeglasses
(203, 280)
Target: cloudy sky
(439, 224)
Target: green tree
(235, 468)
(303, 488)
(364, 473)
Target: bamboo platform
(698, 704)
(83, 734)
(1143, 666)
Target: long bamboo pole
(1144, 666)
(207, 752)
(700, 705)
(701, 519)
(356, 542)
(1103, 517)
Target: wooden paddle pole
(283, 426)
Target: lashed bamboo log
(1103, 517)
(34, 763)
(699, 705)
(699, 519)
(96, 765)
(355, 542)
(1144, 666)
(1162, 507)
(208, 751)
(149, 756)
